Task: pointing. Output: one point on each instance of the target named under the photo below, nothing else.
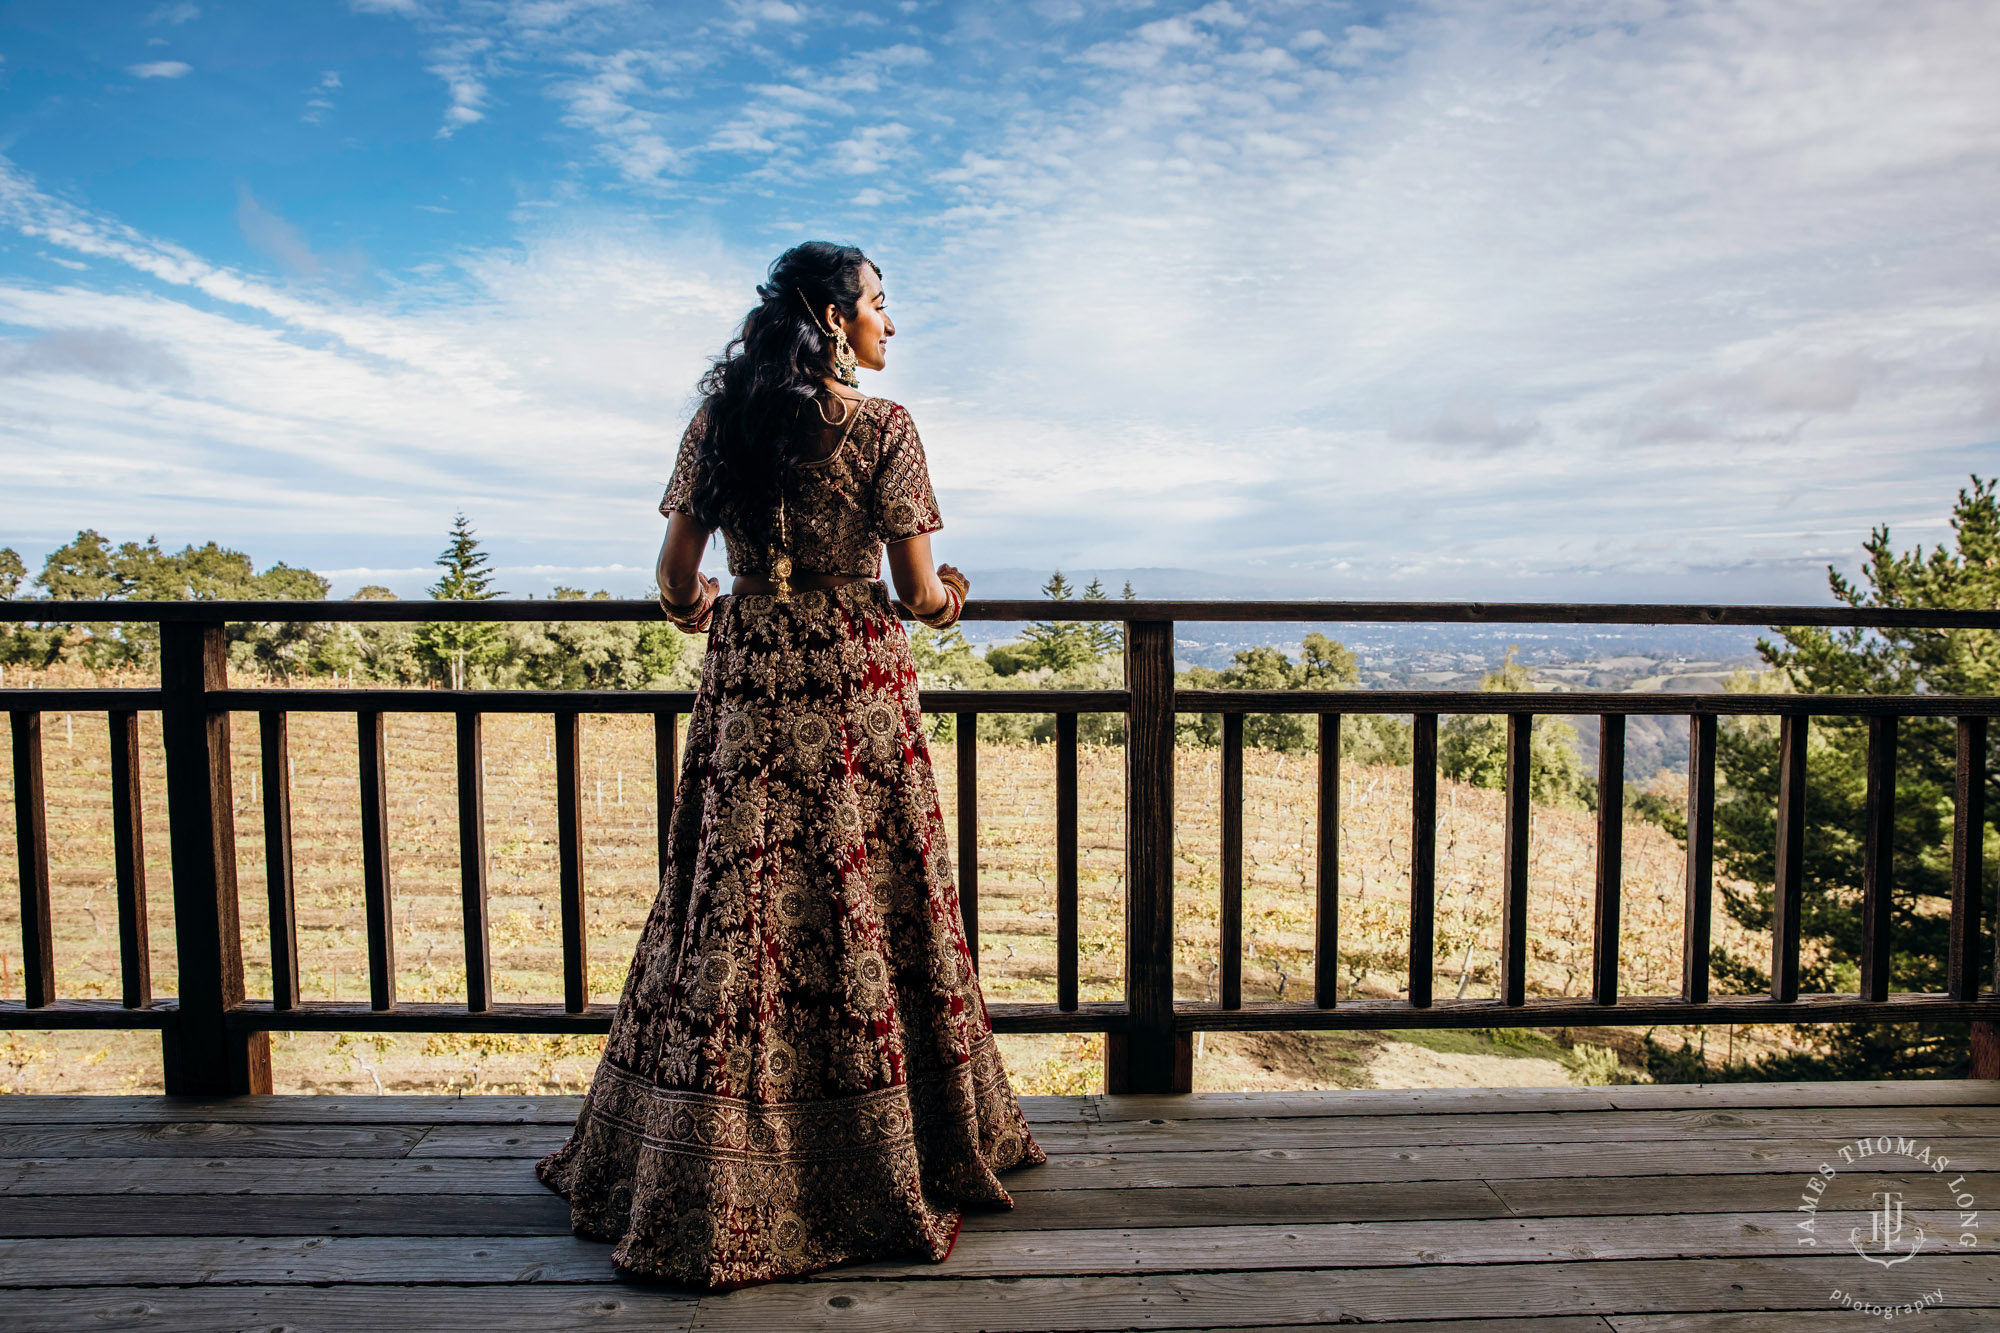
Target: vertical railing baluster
(1697, 912)
(1423, 856)
(666, 773)
(1788, 863)
(1610, 857)
(1968, 833)
(1514, 861)
(968, 830)
(205, 1054)
(378, 902)
(472, 867)
(569, 860)
(31, 839)
(1150, 1055)
(1878, 841)
(1066, 869)
(128, 852)
(1230, 944)
(1326, 902)
(274, 733)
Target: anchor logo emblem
(1885, 1227)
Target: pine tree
(1104, 636)
(465, 578)
(457, 648)
(1891, 660)
(1060, 644)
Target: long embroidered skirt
(801, 1070)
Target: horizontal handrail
(82, 701)
(51, 611)
(1539, 703)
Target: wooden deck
(1655, 1209)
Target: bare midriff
(750, 584)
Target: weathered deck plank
(1492, 1101)
(343, 1309)
(1327, 1296)
(1499, 1162)
(1837, 1124)
(285, 1215)
(491, 1260)
(1769, 1294)
(198, 1138)
(1586, 1210)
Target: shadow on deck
(1556, 1210)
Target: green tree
(460, 650)
(1472, 747)
(1103, 636)
(595, 655)
(12, 572)
(1324, 664)
(1060, 645)
(28, 645)
(90, 568)
(1817, 660)
(946, 661)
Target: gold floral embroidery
(816, 1081)
(812, 737)
(837, 513)
(739, 731)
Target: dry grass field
(1017, 906)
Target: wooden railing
(215, 1040)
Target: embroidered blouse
(875, 487)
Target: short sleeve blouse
(875, 487)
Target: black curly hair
(754, 395)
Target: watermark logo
(1923, 1208)
(1885, 1229)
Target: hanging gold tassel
(781, 563)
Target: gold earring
(843, 351)
(843, 359)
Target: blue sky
(1593, 301)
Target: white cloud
(458, 65)
(1469, 299)
(320, 102)
(767, 11)
(111, 355)
(610, 100)
(175, 15)
(159, 69)
(872, 149)
(541, 387)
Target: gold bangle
(694, 617)
(672, 609)
(947, 615)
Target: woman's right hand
(953, 571)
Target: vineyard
(1016, 902)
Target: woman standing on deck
(801, 1070)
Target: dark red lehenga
(801, 1070)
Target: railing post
(31, 832)
(204, 1056)
(1151, 1056)
(1968, 835)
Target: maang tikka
(845, 367)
